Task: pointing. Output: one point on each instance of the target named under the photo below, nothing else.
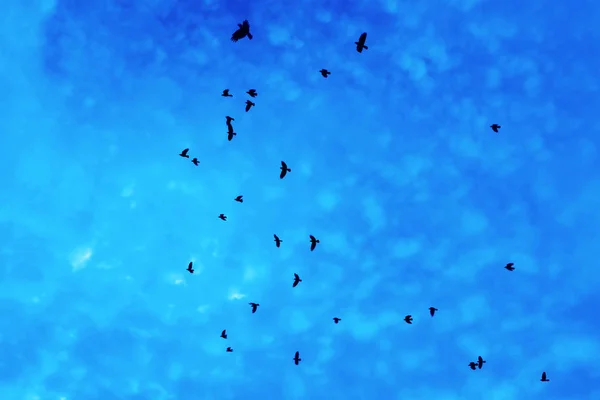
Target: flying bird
(229, 350)
(252, 92)
(226, 93)
(297, 280)
(336, 320)
(325, 73)
(239, 199)
(360, 45)
(495, 127)
(510, 267)
(480, 362)
(184, 153)
(297, 358)
(195, 161)
(242, 31)
(544, 379)
(230, 135)
(432, 310)
(189, 268)
(254, 307)
(224, 334)
(284, 170)
(408, 319)
(249, 105)
(277, 240)
(223, 217)
(313, 242)
(473, 365)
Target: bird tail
(366, 47)
(249, 36)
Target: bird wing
(295, 284)
(223, 333)
(190, 264)
(237, 35)
(246, 24)
(362, 38)
(283, 172)
(283, 165)
(313, 245)
(296, 277)
(248, 106)
(543, 375)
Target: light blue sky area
(415, 200)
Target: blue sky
(415, 200)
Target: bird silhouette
(297, 280)
(544, 378)
(313, 242)
(229, 350)
(224, 334)
(184, 153)
(249, 105)
(254, 307)
(325, 73)
(408, 319)
(223, 217)
(277, 240)
(242, 31)
(284, 170)
(495, 127)
(252, 92)
(480, 362)
(195, 161)
(510, 267)
(432, 310)
(297, 358)
(239, 199)
(336, 320)
(360, 45)
(473, 365)
(230, 135)
(189, 268)
(226, 93)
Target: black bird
(408, 319)
(239, 199)
(313, 242)
(252, 92)
(254, 307)
(473, 365)
(277, 240)
(195, 161)
(224, 334)
(189, 268)
(184, 153)
(432, 310)
(297, 280)
(297, 358)
(226, 93)
(223, 217)
(336, 320)
(230, 134)
(242, 31)
(325, 73)
(510, 267)
(495, 127)
(480, 362)
(249, 105)
(284, 170)
(360, 45)
(229, 350)
(544, 379)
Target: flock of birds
(242, 32)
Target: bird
(254, 307)
(313, 242)
(252, 92)
(297, 358)
(432, 310)
(242, 31)
(195, 161)
(480, 362)
(284, 170)
(360, 45)
(408, 319)
(184, 153)
(249, 105)
(544, 379)
(473, 365)
(297, 280)
(223, 217)
(510, 267)
(189, 268)
(495, 127)
(325, 73)
(224, 334)
(226, 93)
(239, 199)
(277, 240)
(228, 120)
(229, 350)
(336, 320)
(230, 135)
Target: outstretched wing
(238, 34)
(362, 39)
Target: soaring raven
(360, 45)
(242, 32)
